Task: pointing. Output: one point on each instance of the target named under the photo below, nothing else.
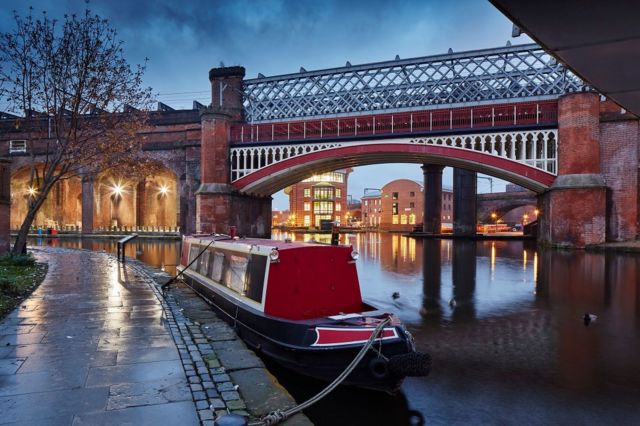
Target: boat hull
(294, 344)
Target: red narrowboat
(300, 305)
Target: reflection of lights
(535, 267)
(524, 260)
(493, 257)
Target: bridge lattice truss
(534, 148)
(489, 76)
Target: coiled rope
(278, 416)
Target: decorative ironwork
(534, 148)
(502, 116)
(490, 76)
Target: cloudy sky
(184, 39)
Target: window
(412, 219)
(307, 207)
(366, 203)
(394, 209)
(412, 194)
(338, 192)
(307, 220)
(394, 220)
(327, 177)
(323, 193)
(403, 219)
(338, 207)
(17, 146)
(204, 263)
(322, 207)
(412, 205)
(394, 196)
(307, 192)
(216, 266)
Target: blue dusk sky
(184, 39)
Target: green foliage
(19, 276)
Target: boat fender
(413, 364)
(379, 368)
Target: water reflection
(503, 321)
(162, 254)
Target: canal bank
(97, 343)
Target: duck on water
(300, 305)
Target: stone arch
(61, 210)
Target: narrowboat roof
(249, 242)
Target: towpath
(96, 344)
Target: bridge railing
(420, 122)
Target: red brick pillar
(218, 205)
(5, 205)
(87, 205)
(432, 222)
(575, 208)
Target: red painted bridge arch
(273, 177)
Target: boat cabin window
(241, 272)
(193, 253)
(217, 263)
(203, 268)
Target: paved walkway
(92, 346)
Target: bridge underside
(275, 177)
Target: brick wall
(619, 159)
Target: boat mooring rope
(278, 416)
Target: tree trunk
(20, 246)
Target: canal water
(504, 324)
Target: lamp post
(494, 216)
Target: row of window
(241, 272)
(322, 207)
(323, 193)
(318, 220)
(327, 177)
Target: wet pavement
(98, 344)
(91, 346)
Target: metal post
(355, 130)
(288, 131)
(537, 113)
(430, 121)
(258, 133)
(472, 118)
(242, 133)
(493, 117)
(450, 119)
(304, 130)
(272, 131)
(514, 115)
(411, 123)
(392, 124)
(374, 124)
(338, 127)
(320, 129)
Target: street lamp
(494, 216)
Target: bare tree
(80, 103)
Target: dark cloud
(185, 38)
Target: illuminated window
(337, 220)
(323, 193)
(394, 220)
(307, 220)
(307, 207)
(366, 203)
(327, 177)
(338, 207)
(403, 219)
(338, 192)
(394, 195)
(322, 207)
(412, 219)
(394, 209)
(307, 192)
